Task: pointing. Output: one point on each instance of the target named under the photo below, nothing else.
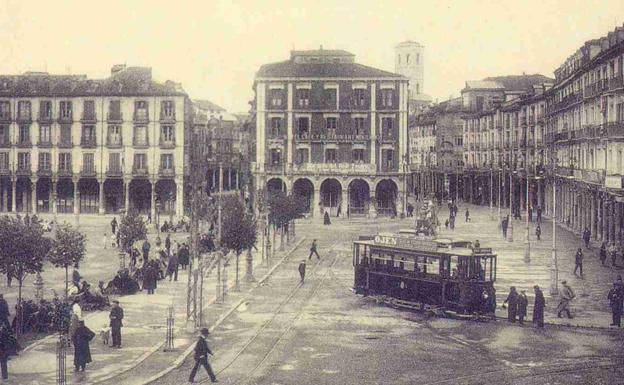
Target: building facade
(69, 144)
(333, 131)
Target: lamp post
(404, 185)
(527, 241)
(491, 183)
(38, 287)
(158, 205)
(554, 271)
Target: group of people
(517, 303)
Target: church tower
(409, 61)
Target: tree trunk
(293, 229)
(66, 281)
(19, 313)
(236, 286)
(281, 238)
(249, 274)
(273, 245)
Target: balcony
(167, 117)
(24, 143)
(615, 83)
(65, 118)
(45, 117)
(140, 171)
(167, 143)
(275, 167)
(5, 116)
(335, 168)
(64, 171)
(24, 118)
(114, 142)
(141, 116)
(88, 171)
(335, 137)
(166, 172)
(44, 171)
(613, 129)
(65, 143)
(44, 144)
(5, 170)
(86, 142)
(140, 142)
(23, 170)
(89, 117)
(389, 168)
(614, 182)
(114, 172)
(114, 117)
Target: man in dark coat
(116, 316)
(183, 256)
(512, 303)
(538, 307)
(8, 347)
(578, 261)
(522, 306)
(616, 298)
(538, 232)
(172, 267)
(168, 244)
(201, 357)
(114, 226)
(539, 214)
(603, 253)
(302, 269)
(326, 220)
(82, 353)
(586, 238)
(146, 249)
(313, 250)
(149, 277)
(505, 225)
(4, 312)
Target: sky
(214, 48)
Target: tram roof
(423, 244)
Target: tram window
(431, 266)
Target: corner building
(69, 144)
(333, 131)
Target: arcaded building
(69, 144)
(334, 131)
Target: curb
(182, 357)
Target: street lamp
(404, 185)
(158, 205)
(554, 272)
(491, 183)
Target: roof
(207, 105)
(321, 52)
(131, 81)
(519, 82)
(484, 85)
(408, 43)
(289, 69)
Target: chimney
(117, 68)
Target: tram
(451, 275)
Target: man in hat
(116, 316)
(564, 302)
(616, 298)
(201, 357)
(302, 269)
(538, 307)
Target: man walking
(578, 261)
(564, 302)
(538, 232)
(586, 237)
(114, 225)
(467, 214)
(116, 316)
(616, 298)
(302, 269)
(538, 307)
(539, 214)
(603, 253)
(522, 306)
(505, 224)
(168, 244)
(146, 249)
(201, 357)
(313, 250)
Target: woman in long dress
(76, 317)
(82, 353)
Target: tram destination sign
(482, 250)
(406, 243)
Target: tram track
(312, 274)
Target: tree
(23, 250)
(68, 249)
(131, 229)
(238, 231)
(284, 209)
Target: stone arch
(359, 197)
(331, 197)
(387, 193)
(276, 184)
(305, 188)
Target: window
(166, 134)
(114, 162)
(45, 110)
(65, 110)
(140, 161)
(166, 162)
(330, 98)
(387, 127)
(114, 110)
(114, 135)
(276, 156)
(140, 136)
(276, 98)
(64, 162)
(303, 127)
(45, 134)
(167, 109)
(4, 160)
(358, 124)
(302, 155)
(66, 139)
(330, 155)
(358, 155)
(140, 110)
(388, 158)
(4, 135)
(303, 97)
(44, 161)
(331, 123)
(24, 134)
(5, 110)
(276, 126)
(88, 165)
(359, 97)
(386, 98)
(88, 135)
(23, 110)
(88, 112)
(23, 161)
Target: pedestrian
(313, 250)
(82, 353)
(446, 224)
(538, 232)
(522, 306)
(4, 312)
(183, 256)
(530, 213)
(8, 347)
(339, 210)
(567, 294)
(539, 214)
(538, 307)
(150, 276)
(616, 299)
(586, 237)
(505, 224)
(76, 317)
(168, 244)
(603, 253)
(172, 267)
(201, 357)
(105, 241)
(578, 261)
(613, 251)
(512, 304)
(116, 316)
(302, 269)
(326, 220)
(114, 225)
(467, 215)
(146, 249)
